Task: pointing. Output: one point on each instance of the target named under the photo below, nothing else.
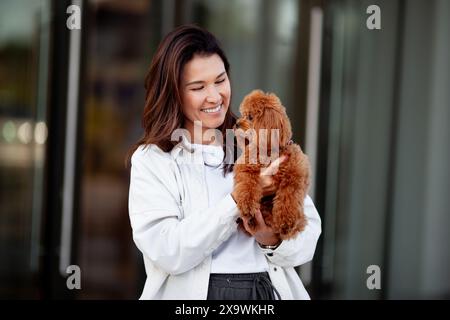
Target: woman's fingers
(268, 188)
(242, 227)
(266, 181)
(259, 219)
(273, 167)
(267, 174)
(245, 224)
(263, 233)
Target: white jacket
(177, 233)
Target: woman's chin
(213, 123)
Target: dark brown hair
(162, 112)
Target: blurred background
(370, 108)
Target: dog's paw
(289, 228)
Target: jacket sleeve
(299, 250)
(173, 243)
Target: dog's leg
(248, 191)
(293, 181)
(287, 213)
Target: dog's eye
(249, 117)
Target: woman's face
(206, 92)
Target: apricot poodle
(256, 131)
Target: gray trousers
(241, 286)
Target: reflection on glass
(119, 46)
(260, 39)
(23, 80)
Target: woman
(181, 205)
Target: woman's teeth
(212, 110)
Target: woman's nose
(213, 95)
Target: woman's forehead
(203, 68)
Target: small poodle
(283, 211)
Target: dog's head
(261, 110)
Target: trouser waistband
(259, 283)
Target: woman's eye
(197, 89)
(220, 81)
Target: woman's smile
(214, 110)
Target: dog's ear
(268, 113)
(274, 118)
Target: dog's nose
(236, 125)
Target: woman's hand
(263, 233)
(265, 177)
(266, 174)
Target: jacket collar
(185, 151)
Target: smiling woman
(189, 74)
(181, 204)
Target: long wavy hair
(162, 112)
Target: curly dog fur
(283, 211)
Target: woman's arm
(299, 250)
(173, 243)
